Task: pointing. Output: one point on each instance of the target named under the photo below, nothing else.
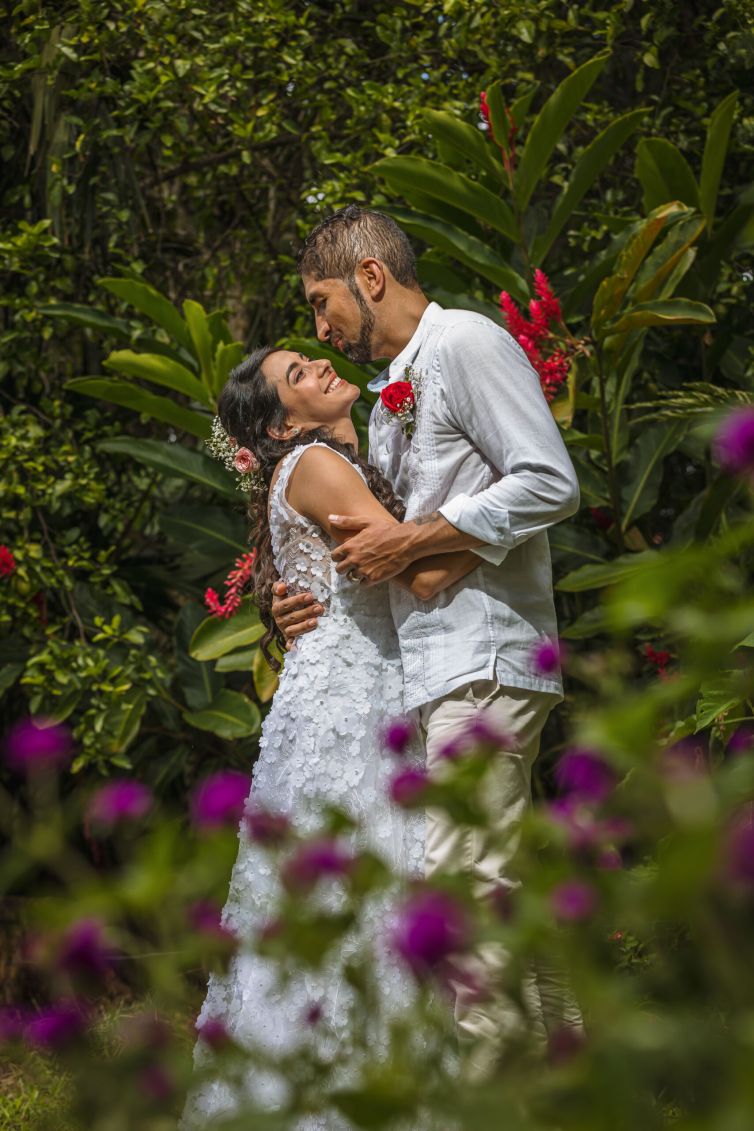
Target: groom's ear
(373, 278)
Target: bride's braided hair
(249, 405)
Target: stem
(66, 596)
(605, 420)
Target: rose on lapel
(398, 396)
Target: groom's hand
(293, 615)
(375, 550)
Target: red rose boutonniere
(399, 399)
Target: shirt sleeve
(496, 401)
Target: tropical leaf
(550, 123)
(664, 174)
(588, 624)
(407, 174)
(473, 253)
(694, 399)
(237, 661)
(466, 140)
(227, 356)
(217, 637)
(200, 682)
(9, 673)
(130, 710)
(160, 370)
(125, 393)
(176, 460)
(265, 679)
(206, 530)
(718, 697)
(659, 268)
(89, 317)
(664, 312)
(715, 148)
(644, 471)
(201, 337)
(593, 160)
(607, 573)
(149, 301)
(229, 715)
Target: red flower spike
(235, 583)
(7, 562)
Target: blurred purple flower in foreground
(34, 744)
(573, 900)
(57, 1026)
(83, 949)
(123, 800)
(266, 827)
(564, 1043)
(741, 740)
(157, 1083)
(313, 1014)
(585, 775)
(738, 852)
(547, 656)
(431, 928)
(481, 732)
(205, 917)
(734, 442)
(213, 1033)
(408, 786)
(398, 734)
(219, 799)
(313, 861)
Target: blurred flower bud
(573, 900)
(408, 787)
(432, 927)
(265, 827)
(219, 799)
(34, 744)
(398, 735)
(123, 800)
(313, 861)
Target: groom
(483, 468)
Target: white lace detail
(320, 745)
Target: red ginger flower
(7, 562)
(532, 333)
(235, 583)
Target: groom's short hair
(336, 246)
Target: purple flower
(738, 851)
(57, 1026)
(156, 1083)
(124, 800)
(585, 775)
(609, 859)
(214, 1033)
(313, 1014)
(313, 861)
(83, 950)
(573, 900)
(546, 656)
(584, 831)
(432, 926)
(742, 739)
(219, 799)
(478, 733)
(37, 744)
(398, 734)
(684, 759)
(564, 1043)
(734, 443)
(408, 787)
(265, 827)
(205, 917)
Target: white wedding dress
(320, 745)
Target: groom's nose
(323, 328)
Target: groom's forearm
(432, 534)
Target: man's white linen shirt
(488, 455)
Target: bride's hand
(294, 615)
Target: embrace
(417, 583)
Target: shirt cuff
(465, 514)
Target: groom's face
(343, 316)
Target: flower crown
(241, 461)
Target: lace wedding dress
(320, 745)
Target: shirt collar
(396, 368)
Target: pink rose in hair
(244, 461)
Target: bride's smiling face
(310, 389)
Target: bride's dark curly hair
(248, 407)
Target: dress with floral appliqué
(320, 746)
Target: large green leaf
(466, 140)
(175, 459)
(9, 673)
(125, 393)
(664, 174)
(608, 573)
(643, 474)
(717, 696)
(466, 249)
(265, 678)
(664, 312)
(550, 123)
(130, 707)
(593, 160)
(407, 174)
(159, 370)
(240, 661)
(229, 715)
(661, 263)
(206, 530)
(89, 317)
(149, 301)
(227, 356)
(217, 637)
(715, 148)
(201, 337)
(200, 682)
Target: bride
(320, 743)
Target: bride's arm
(323, 482)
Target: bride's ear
(287, 433)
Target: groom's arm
(495, 401)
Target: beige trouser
(487, 1026)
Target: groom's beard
(360, 351)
